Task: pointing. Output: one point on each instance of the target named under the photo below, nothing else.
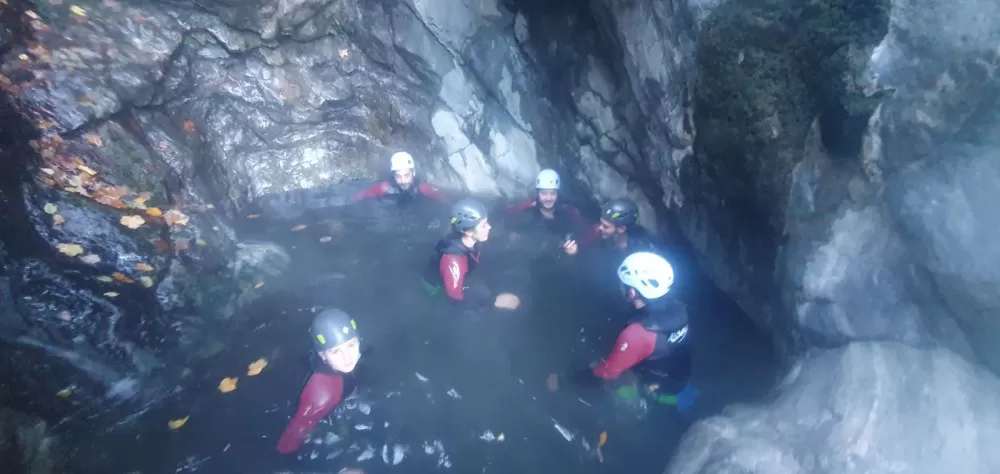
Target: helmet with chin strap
(620, 212)
(467, 214)
(648, 273)
(331, 328)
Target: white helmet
(650, 274)
(401, 161)
(547, 179)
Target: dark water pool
(440, 387)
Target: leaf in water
(93, 138)
(325, 239)
(200, 243)
(175, 217)
(70, 250)
(603, 439)
(111, 294)
(144, 267)
(78, 11)
(64, 393)
(259, 284)
(253, 216)
(553, 382)
(228, 384)
(257, 366)
(105, 279)
(146, 281)
(178, 423)
(299, 227)
(154, 211)
(91, 258)
(50, 208)
(121, 277)
(132, 222)
(189, 126)
(57, 219)
(86, 169)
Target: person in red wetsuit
(618, 228)
(545, 209)
(457, 255)
(404, 186)
(338, 350)
(654, 343)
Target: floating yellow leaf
(50, 208)
(121, 277)
(259, 284)
(78, 11)
(257, 366)
(228, 384)
(111, 294)
(93, 138)
(325, 239)
(144, 267)
(87, 170)
(201, 243)
(70, 250)
(57, 219)
(178, 423)
(105, 279)
(175, 217)
(154, 211)
(253, 216)
(603, 439)
(64, 393)
(299, 227)
(146, 281)
(91, 258)
(48, 171)
(132, 222)
(23, 57)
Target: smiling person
(403, 186)
(618, 229)
(338, 351)
(545, 210)
(457, 255)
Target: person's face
(607, 230)
(343, 358)
(481, 233)
(547, 198)
(404, 178)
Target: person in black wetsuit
(618, 228)
(338, 351)
(457, 255)
(655, 344)
(545, 210)
(404, 185)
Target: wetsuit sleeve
(634, 344)
(576, 217)
(322, 393)
(431, 192)
(453, 269)
(518, 207)
(591, 236)
(378, 190)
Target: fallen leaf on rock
(175, 217)
(91, 258)
(161, 245)
(64, 393)
(78, 11)
(57, 219)
(253, 216)
(86, 169)
(257, 366)
(121, 277)
(132, 222)
(259, 284)
(70, 250)
(93, 138)
(603, 439)
(178, 423)
(228, 384)
(146, 281)
(154, 211)
(144, 267)
(111, 294)
(105, 279)
(48, 171)
(325, 239)
(299, 227)
(189, 126)
(50, 208)
(553, 382)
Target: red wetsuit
(390, 188)
(654, 342)
(639, 240)
(447, 269)
(565, 219)
(322, 393)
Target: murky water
(442, 391)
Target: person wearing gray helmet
(618, 228)
(338, 351)
(457, 255)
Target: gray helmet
(621, 212)
(466, 214)
(331, 328)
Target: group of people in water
(653, 344)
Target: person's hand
(514, 237)
(507, 301)
(570, 247)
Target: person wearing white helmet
(655, 343)
(544, 209)
(403, 185)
